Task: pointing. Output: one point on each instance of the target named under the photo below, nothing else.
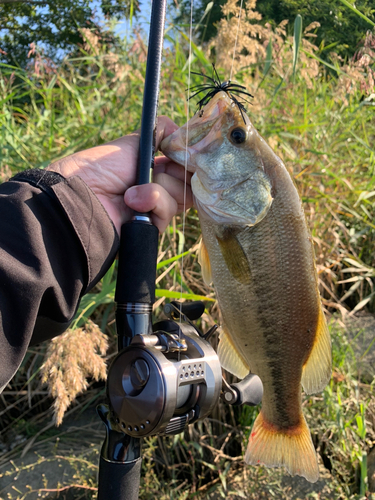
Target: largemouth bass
(258, 252)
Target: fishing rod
(166, 375)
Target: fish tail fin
(291, 448)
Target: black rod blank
(119, 479)
(151, 91)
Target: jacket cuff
(88, 217)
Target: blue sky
(124, 29)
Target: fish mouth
(206, 120)
(202, 130)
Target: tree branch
(34, 2)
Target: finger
(177, 189)
(152, 198)
(129, 144)
(167, 166)
(165, 127)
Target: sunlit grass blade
(197, 51)
(359, 13)
(91, 301)
(207, 11)
(170, 294)
(172, 259)
(268, 61)
(297, 38)
(361, 304)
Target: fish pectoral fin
(230, 358)
(204, 261)
(235, 257)
(289, 448)
(318, 367)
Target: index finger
(164, 165)
(164, 127)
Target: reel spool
(163, 381)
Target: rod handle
(119, 481)
(137, 263)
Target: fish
(258, 252)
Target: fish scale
(258, 252)
(278, 321)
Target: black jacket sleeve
(56, 242)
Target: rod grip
(137, 263)
(119, 481)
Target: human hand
(110, 171)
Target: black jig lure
(215, 86)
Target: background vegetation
(318, 115)
(55, 25)
(341, 28)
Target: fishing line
(186, 148)
(235, 43)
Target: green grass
(326, 138)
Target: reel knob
(139, 375)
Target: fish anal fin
(235, 257)
(317, 369)
(229, 356)
(289, 448)
(204, 261)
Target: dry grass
(70, 360)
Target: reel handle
(247, 392)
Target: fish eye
(238, 135)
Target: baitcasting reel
(168, 379)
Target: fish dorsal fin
(318, 367)
(235, 257)
(204, 261)
(229, 356)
